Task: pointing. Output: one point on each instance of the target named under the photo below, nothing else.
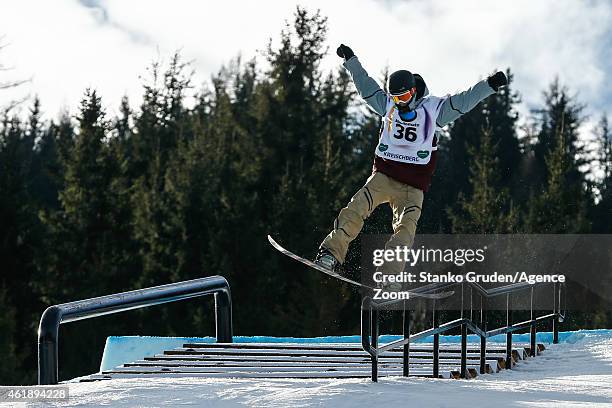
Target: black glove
(497, 80)
(345, 52)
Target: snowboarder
(405, 156)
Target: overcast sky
(65, 46)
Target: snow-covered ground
(577, 373)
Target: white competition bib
(409, 141)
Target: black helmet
(400, 82)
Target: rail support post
(436, 343)
(464, 350)
(483, 354)
(556, 311)
(374, 334)
(509, 334)
(406, 350)
(223, 317)
(533, 345)
(509, 350)
(48, 332)
(483, 338)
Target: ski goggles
(405, 97)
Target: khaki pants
(406, 202)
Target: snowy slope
(577, 373)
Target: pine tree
(560, 111)
(15, 233)
(561, 208)
(159, 127)
(601, 213)
(89, 228)
(559, 199)
(46, 175)
(488, 209)
(11, 351)
(21, 237)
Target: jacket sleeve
(463, 102)
(368, 88)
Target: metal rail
(369, 325)
(53, 316)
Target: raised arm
(463, 102)
(368, 88)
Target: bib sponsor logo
(422, 154)
(383, 147)
(403, 157)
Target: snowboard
(336, 275)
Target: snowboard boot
(325, 259)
